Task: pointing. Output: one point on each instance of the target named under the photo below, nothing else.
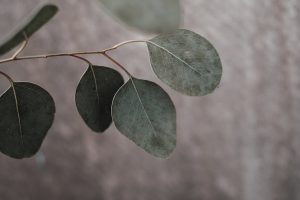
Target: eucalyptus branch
(15, 56)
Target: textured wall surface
(240, 143)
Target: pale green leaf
(154, 16)
(186, 62)
(94, 95)
(39, 17)
(26, 116)
(143, 112)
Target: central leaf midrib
(97, 93)
(18, 115)
(96, 85)
(174, 55)
(143, 107)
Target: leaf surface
(143, 112)
(186, 62)
(94, 95)
(27, 113)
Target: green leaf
(94, 95)
(30, 25)
(144, 113)
(27, 113)
(186, 62)
(154, 16)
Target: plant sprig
(140, 109)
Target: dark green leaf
(144, 113)
(186, 62)
(154, 16)
(94, 95)
(25, 118)
(31, 24)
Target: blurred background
(240, 143)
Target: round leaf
(27, 113)
(94, 95)
(144, 113)
(154, 16)
(39, 17)
(186, 62)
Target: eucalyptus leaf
(39, 17)
(27, 113)
(186, 62)
(94, 95)
(144, 113)
(154, 16)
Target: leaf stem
(23, 46)
(121, 44)
(7, 77)
(117, 63)
(81, 58)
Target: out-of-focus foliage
(154, 16)
(38, 18)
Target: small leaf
(27, 113)
(186, 62)
(154, 16)
(144, 113)
(30, 25)
(94, 95)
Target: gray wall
(240, 143)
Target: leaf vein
(174, 55)
(144, 109)
(18, 114)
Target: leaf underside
(143, 112)
(154, 16)
(39, 17)
(186, 62)
(94, 95)
(25, 119)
